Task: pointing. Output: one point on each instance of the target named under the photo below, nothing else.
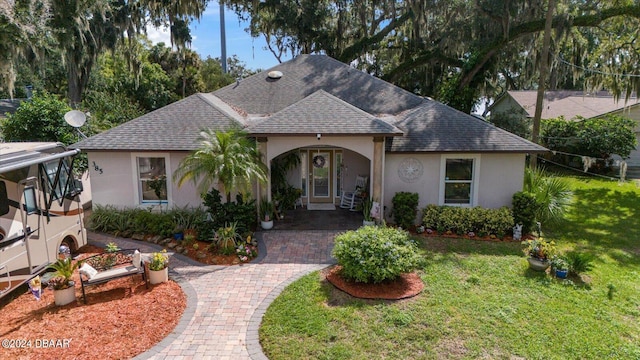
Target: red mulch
(405, 286)
(121, 320)
(203, 255)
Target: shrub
(553, 194)
(525, 207)
(579, 262)
(405, 208)
(375, 254)
(461, 220)
(242, 212)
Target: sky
(206, 39)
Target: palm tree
(552, 193)
(228, 157)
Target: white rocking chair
(351, 199)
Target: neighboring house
(9, 106)
(571, 104)
(342, 122)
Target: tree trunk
(544, 65)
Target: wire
(596, 71)
(578, 170)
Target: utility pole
(544, 67)
(223, 38)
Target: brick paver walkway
(225, 305)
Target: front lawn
(482, 301)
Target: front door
(321, 179)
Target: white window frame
(137, 198)
(475, 177)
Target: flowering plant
(539, 248)
(246, 252)
(159, 260)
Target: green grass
(481, 300)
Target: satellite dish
(274, 74)
(75, 118)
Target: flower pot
(64, 296)
(368, 223)
(537, 264)
(178, 236)
(266, 225)
(562, 274)
(158, 276)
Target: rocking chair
(351, 199)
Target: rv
(40, 209)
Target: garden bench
(102, 268)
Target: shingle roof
(435, 127)
(316, 94)
(322, 113)
(173, 127)
(306, 74)
(570, 103)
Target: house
(341, 121)
(571, 104)
(9, 106)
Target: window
(52, 169)
(459, 183)
(152, 179)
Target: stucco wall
(500, 176)
(113, 181)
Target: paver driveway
(225, 304)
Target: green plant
(405, 208)
(579, 262)
(539, 248)
(242, 212)
(227, 236)
(159, 260)
(611, 290)
(461, 220)
(246, 252)
(375, 254)
(195, 246)
(266, 209)
(552, 194)
(525, 208)
(189, 239)
(112, 247)
(366, 205)
(64, 269)
(559, 263)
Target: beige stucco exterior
(498, 176)
(114, 182)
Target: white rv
(40, 209)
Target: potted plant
(266, 210)
(159, 267)
(560, 265)
(367, 203)
(540, 253)
(64, 291)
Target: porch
(303, 219)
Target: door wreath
(319, 161)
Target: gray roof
(173, 127)
(435, 127)
(570, 103)
(322, 113)
(9, 106)
(306, 74)
(315, 94)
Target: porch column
(263, 188)
(376, 177)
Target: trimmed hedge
(405, 208)
(463, 220)
(374, 254)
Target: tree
(228, 158)
(40, 119)
(456, 51)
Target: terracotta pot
(159, 276)
(537, 264)
(64, 296)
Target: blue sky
(206, 39)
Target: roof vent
(274, 74)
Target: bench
(102, 268)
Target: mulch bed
(405, 286)
(121, 320)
